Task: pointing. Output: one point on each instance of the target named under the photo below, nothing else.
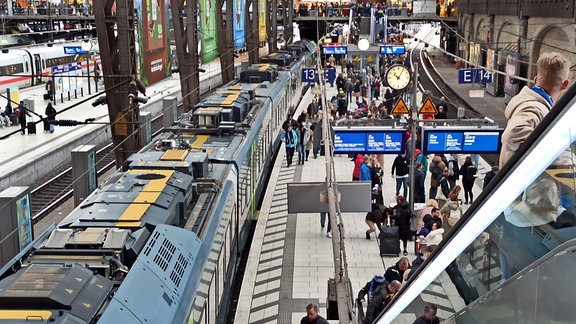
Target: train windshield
(510, 258)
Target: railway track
(432, 83)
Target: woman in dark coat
(468, 172)
(403, 219)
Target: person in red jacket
(357, 163)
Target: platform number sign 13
(309, 75)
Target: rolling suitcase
(31, 128)
(389, 240)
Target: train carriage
(26, 67)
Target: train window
(11, 69)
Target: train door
(27, 70)
(38, 68)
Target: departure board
(369, 140)
(462, 140)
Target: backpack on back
(436, 171)
(455, 168)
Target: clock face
(398, 77)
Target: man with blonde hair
(527, 109)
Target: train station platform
(291, 259)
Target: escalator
(512, 256)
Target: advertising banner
(510, 87)
(154, 64)
(262, 20)
(24, 221)
(207, 32)
(239, 40)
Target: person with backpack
(290, 139)
(436, 168)
(378, 291)
(303, 135)
(452, 210)
(50, 117)
(21, 115)
(454, 170)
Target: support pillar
(186, 36)
(116, 41)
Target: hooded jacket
(434, 237)
(524, 112)
(437, 159)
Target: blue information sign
(462, 140)
(374, 140)
(474, 76)
(334, 50)
(309, 75)
(74, 50)
(392, 49)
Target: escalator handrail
(505, 187)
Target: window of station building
(11, 69)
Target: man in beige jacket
(527, 109)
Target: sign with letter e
(474, 76)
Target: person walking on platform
(454, 170)
(312, 316)
(419, 190)
(303, 138)
(50, 117)
(21, 115)
(403, 220)
(527, 109)
(290, 139)
(452, 210)
(468, 178)
(323, 217)
(400, 171)
(435, 168)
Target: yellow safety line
(200, 140)
(147, 196)
(30, 315)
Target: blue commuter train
(161, 240)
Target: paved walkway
(291, 259)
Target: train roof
(136, 197)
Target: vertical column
(16, 231)
(170, 109)
(84, 172)
(145, 127)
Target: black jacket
(400, 165)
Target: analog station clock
(398, 77)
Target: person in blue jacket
(290, 139)
(365, 174)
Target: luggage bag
(31, 128)
(389, 240)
